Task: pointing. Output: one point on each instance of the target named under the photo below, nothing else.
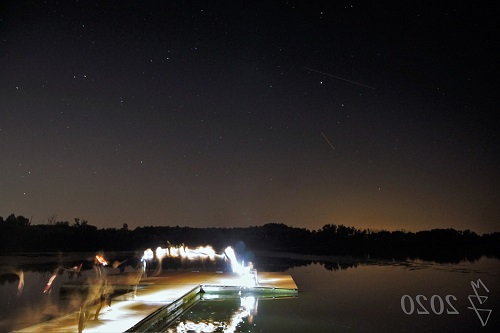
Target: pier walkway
(161, 294)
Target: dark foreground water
(335, 295)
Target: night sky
(371, 114)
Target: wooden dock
(164, 296)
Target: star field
(375, 115)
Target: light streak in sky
(328, 141)
(340, 78)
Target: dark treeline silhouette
(441, 245)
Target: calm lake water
(337, 295)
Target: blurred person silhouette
(99, 292)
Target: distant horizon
(132, 227)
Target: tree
(19, 221)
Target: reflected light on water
(247, 310)
(357, 296)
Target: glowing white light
(248, 273)
(235, 266)
(247, 308)
(148, 255)
(184, 252)
(248, 303)
(161, 253)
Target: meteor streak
(340, 78)
(328, 141)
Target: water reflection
(335, 293)
(218, 314)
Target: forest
(17, 234)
